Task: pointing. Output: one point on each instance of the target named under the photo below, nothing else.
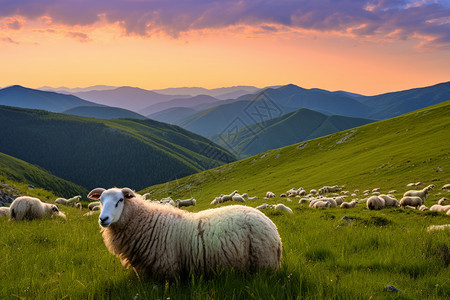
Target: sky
(366, 47)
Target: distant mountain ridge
(103, 112)
(288, 129)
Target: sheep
(187, 202)
(147, 196)
(389, 201)
(442, 200)
(448, 212)
(313, 191)
(228, 197)
(252, 198)
(93, 204)
(349, 204)
(375, 202)
(168, 242)
(216, 200)
(270, 195)
(376, 190)
(446, 186)
(421, 193)
(440, 208)
(282, 207)
(4, 211)
(411, 184)
(29, 208)
(438, 227)
(321, 203)
(423, 208)
(263, 206)
(238, 197)
(393, 192)
(68, 202)
(411, 201)
(78, 205)
(418, 183)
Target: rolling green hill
(103, 112)
(386, 154)
(20, 174)
(95, 152)
(288, 129)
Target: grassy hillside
(92, 152)
(288, 129)
(103, 112)
(20, 174)
(387, 154)
(172, 115)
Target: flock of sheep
(157, 237)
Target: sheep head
(112, 202)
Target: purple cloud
(374, 18)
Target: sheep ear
(128, 193)
(95, 193)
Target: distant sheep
(187, 202)
(393, 192)
(168, 242)
(375, 203)
(282, 207)
(229, 197)
(446, 186)
(421, 193)
(389, 201)
(423, 208)
(442, 200)
(411, 201)
(68, 202)
(263, 206)
(238, 198)
(147, 196)
(4, 211)
(93, 204)
(438, 227)
(29, 208)
(440, 208)
(270, 195)
(349, 204)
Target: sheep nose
(104, 219)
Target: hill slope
(19, 96)
(103, 112)
(19, 171)
(387, 154)
(94, 152)
(288, 129)
(183, 102)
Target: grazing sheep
(423, 208)
(375, 202)
(349, 204)
(442, 200)
(187, 202)
(392, 192)
(29, 208)
(389, 201)
(356, 191)
(376, 190)
(438, 227)
(411, 184)
(168, 242)
(282, 207)
(68, 202)
(216, 200)
(263, 206)
(411, 201)
(313, 191)
(270, 195)
(421, 193)
(228, 197)
(93, 204)
(446, 186)
(238, 198)
(4, 211)
(440, 208)
(418, 183)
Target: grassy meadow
(324, 257)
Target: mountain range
(96, 152)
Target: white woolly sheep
(29, 208)
(438, 227)
(282, 207)
(389, 201)
(411, 201)
(263, 206)
(238, 198)
(440, 208)
(375, 203)
(423, 208)
(375, 190)
(252, 198)
(419, 183)
(228, 197)
(68, 202)
(349, 204)
(270, 195)
(93, 204)
(442, 200)
(446, 186)
(392, 192)
(421, 193)
(168, 242)
(216, 200)
(411, 184)
(313, 191)
(187, 202)
(4, 211)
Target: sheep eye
(121, 199)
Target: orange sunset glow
(367, 48)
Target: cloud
(81, 37)
(370, 19)
(9, 40)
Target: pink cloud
(374, 18)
